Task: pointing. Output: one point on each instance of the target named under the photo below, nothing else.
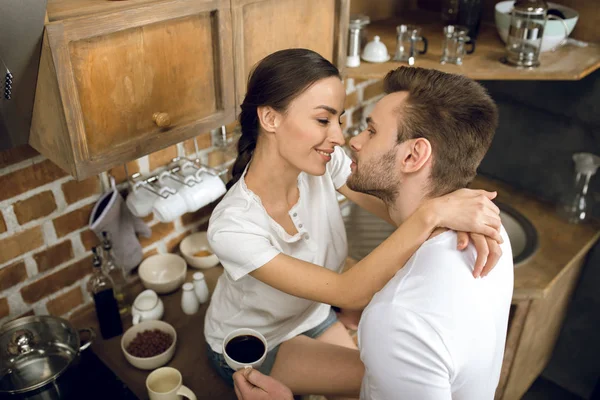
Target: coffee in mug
(244, 348)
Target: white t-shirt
(434, 332)
(245, 237)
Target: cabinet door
(262, 27)
(114, 72)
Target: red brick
(35, 207)
(54, 256)
(148, 218)
(65, 302)
(203, 143)
(351, 100)
(75, 190)
(20, 243)
(89, 239)
(373, 90)
(159, 231)
(173, 244)
(4, 308)
(12, 275)
(56, 281)
(2, 224)
(119, 172)
(162, 157)
(16, 154)
(72, 221)
(25, 179)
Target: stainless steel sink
(366, 231)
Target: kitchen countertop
(560, 246)
(190, 354)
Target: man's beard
(377, 178)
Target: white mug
(140, 201)
(169, 209)
(147, 306)
(236, 365)
(166, 384)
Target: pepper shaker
(200, 287)
(189, 302)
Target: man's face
(375, 151)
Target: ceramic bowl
(162, 273)
(195, 243)
(554, 31)
(149, 362)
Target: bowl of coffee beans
(149, 344)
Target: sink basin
(366, 231)
(522, 234)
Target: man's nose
(357, 141)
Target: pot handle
(92, 335)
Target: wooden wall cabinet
(104, 78)
(261, 27)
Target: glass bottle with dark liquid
(100, 287)
(116, 274)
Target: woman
(280, 235)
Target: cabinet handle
(162, 120)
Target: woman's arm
(355, 287)
(463, 210)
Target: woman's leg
(314, 366)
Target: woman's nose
(337, 136)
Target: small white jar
(200, 287)
(189, 301)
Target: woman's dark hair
(275, 81)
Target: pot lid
(34, 351)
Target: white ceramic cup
(166, 384)
(147, 306)
(140, 201)
(235, 365)
(169, 209)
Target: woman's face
(310, 128)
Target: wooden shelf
(567, 63)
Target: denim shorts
(217, 360)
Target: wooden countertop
(560, 244)
(190, 355)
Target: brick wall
(45, 244)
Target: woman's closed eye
(323, 121)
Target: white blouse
(245, 237)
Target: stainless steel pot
(38, 356)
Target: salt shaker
(189, 302)
(200, 287)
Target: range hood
(21, 29)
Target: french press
(406, 47)
(524, 41)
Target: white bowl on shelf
(163, 273)
(554, 31)
(195, 243)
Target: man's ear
(268, 118)
(416, 154)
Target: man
(422, 336)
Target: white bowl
(554, 31)
(194, 243)
(149, 362)
(163, 273)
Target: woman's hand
(488, 251)
(472, 211)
